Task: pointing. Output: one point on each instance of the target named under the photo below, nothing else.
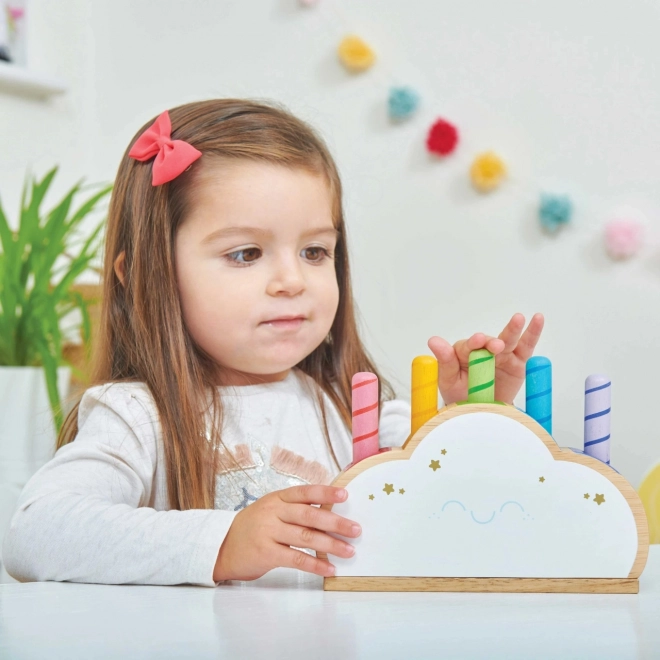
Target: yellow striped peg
(424, 394)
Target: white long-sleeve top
(98, 511)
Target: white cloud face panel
(482, 496)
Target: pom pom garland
(487, 171)
(623, 238)
(402, 102)
(442, 138)
(555, 211)
(355, 54)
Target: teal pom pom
(403, 102)
(555, 210)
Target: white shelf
(19, 80)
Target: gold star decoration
(586, 496)
(443, 452)
(401, 491)
(599, 499)
(389, 488)
(541, 479)
(371, 497)
(435, 465)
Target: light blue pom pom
(403, 102)
(555, 210)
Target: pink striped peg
(365, 415)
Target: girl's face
(255, 268)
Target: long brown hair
(142, 335)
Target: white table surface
(287, 615)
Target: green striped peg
(481, 377)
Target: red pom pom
(442, 138)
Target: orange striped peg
(365, 415)
(424, 394)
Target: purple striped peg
(597, 413)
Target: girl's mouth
(285, 322)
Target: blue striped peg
(597, 414)
(538, 391)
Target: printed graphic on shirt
(248, 473)
(247, 498)
(238, 458)
(293, 465)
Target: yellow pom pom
(487, 171)
(355, 54)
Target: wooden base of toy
(499, 585)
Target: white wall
(566, 91)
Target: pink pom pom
(623, 238)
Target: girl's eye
(245, 256)
(315, 254)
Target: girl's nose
(287, 279)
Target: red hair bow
(172, 156)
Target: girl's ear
(119, 266)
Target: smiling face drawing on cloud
(482, 495)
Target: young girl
(227, 346)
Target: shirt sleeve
(394, 425)
(88, 516)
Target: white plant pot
(27, 431)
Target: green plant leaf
(89, 205)
(30, 214)
(6, 234)
(51, 237)
(86, 327)
(78, 265)
(50, 371)
(39, 263)
(8, 293)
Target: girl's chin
(238, 377)
(270, 364)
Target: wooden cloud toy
(481, 497)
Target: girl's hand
(261, 536)
(511, 352)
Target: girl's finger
(512, 331)
(304, 537)
(530, 338)
(494, 344)
(291, 558)
(315, 494)
(442, 350)
(448, 365)
(314, 518)
(475, 342)
(464, 347)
